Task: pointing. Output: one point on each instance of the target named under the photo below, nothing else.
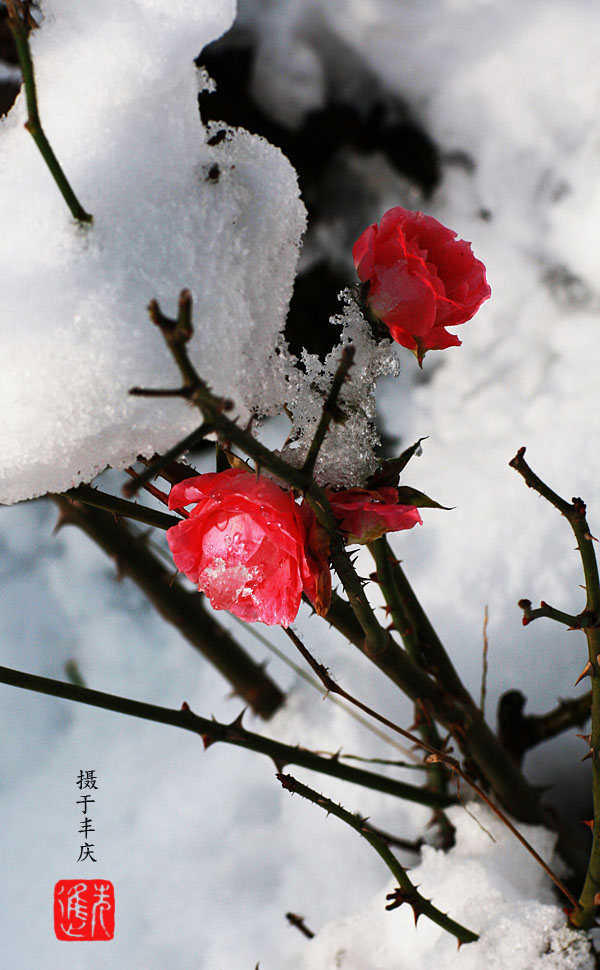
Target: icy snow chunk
(347, 456)
(117, 91)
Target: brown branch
(519, 732)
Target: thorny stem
(407, 892)
(413, 624)
(119, 506)
(211, 731)
(579, 622)
(439, 757)
(185, 611)
(574, 512)
(18, 26)
(466, 723)
(450, 703)
(438, 778)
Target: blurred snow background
(206, 852)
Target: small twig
(17, 23)
(211, 731)
(298, 921)
(407, 892)
(409, 765)
(331, 411)
(408, 845)
(579, 622)
(484, 664)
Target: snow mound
(118, 100)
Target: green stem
(438, 777)
(414, 626)
(574, 512)
(407, 892)
(33, 123)
(211, 731)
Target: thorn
(597, 899)
(207, 740)
(588, 671)
(591, 754)
(185, 706)
(589, 822)
(62, 520)
(585, 737)
(237, 722)
(279, 765)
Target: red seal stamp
(84, 909)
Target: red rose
(421, 279)
(364, 515)
(247, 547)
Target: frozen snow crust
(118, 99)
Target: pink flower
(421, 279)
(364, 515)
(246, 545)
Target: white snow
(118, 99)
(207, 854)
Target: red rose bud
(364, 515)
(246, 545)
(421, 279)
